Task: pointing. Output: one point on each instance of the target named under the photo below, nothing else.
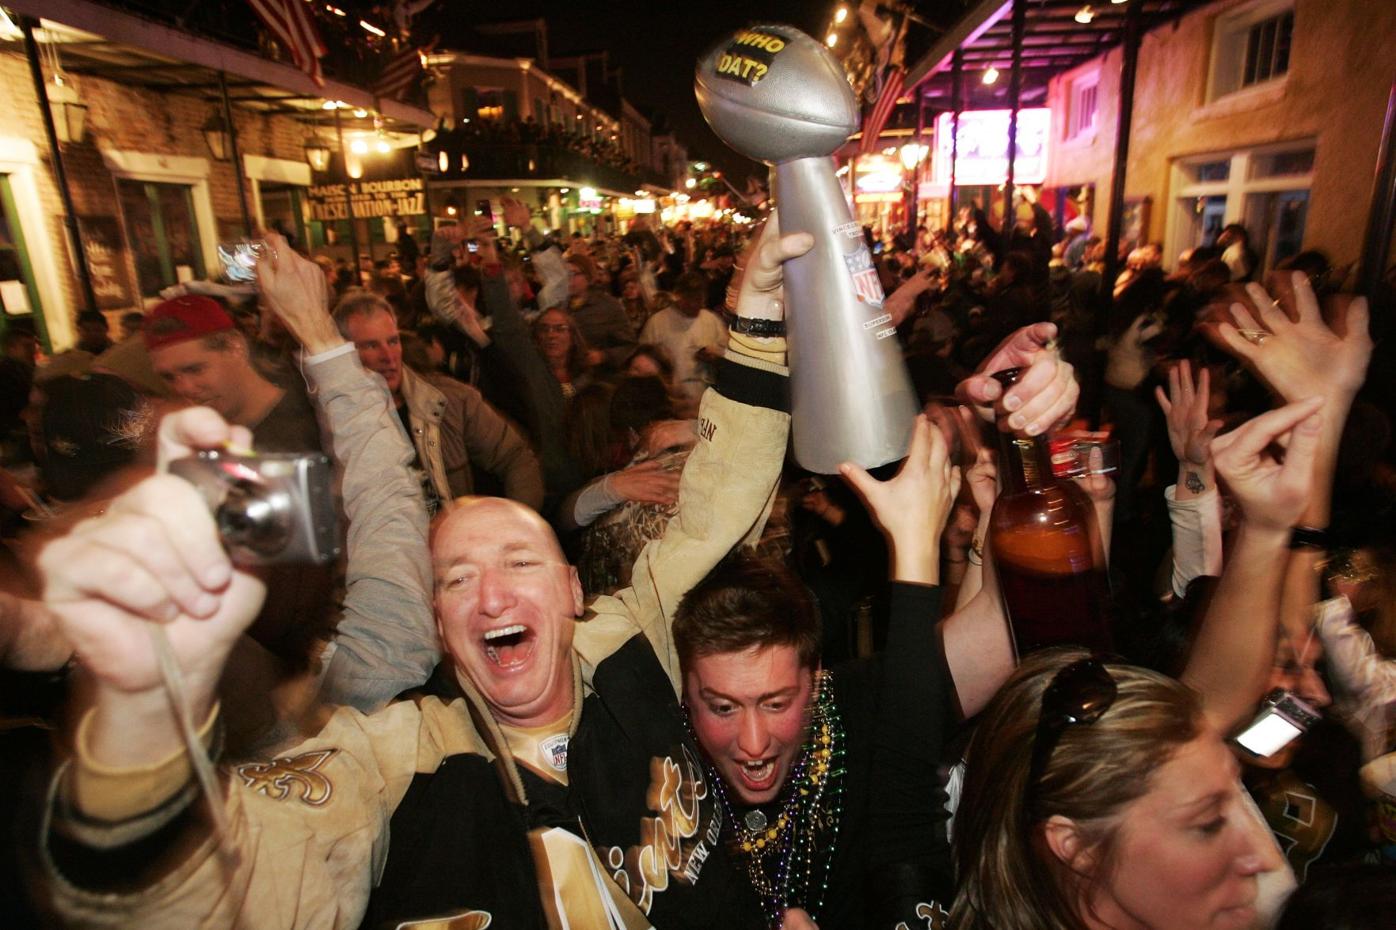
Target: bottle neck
(1024, 463)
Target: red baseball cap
(184, 318)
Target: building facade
(1266, 113)
(512, 128)
(153, 172)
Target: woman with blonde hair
(1098, 796)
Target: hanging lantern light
(217, 136)
(317, 153)
(69, 116)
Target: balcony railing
(349, 59)
(524, 160)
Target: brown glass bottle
(1046, 550)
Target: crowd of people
(579, 139)
(588, 649)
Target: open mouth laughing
(509, 647)
(757, 775)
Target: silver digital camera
(271, 509)
(1283, 718)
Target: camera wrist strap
(184, 717)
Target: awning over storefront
(1054, 40)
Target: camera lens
(255, 519)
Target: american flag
(400, 70)
(882, 110)
(293, 26)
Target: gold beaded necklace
(780, 857)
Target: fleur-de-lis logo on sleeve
(278, 778)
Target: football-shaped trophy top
(774, 94)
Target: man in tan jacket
(451, 425)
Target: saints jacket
(421, 801)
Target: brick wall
(137, 120)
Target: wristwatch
(757, 327)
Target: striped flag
(881, 110)
(400, 71)
(293, 26)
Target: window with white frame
(1251, 46)
(1082, 108)
(1265, 189)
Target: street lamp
(317, 153)
(219, 139)
(69, 116)
(912, 153)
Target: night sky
(657, 43)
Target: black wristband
(757, 327)
(1309, 537)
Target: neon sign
(982, 155)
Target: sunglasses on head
(1081, 693)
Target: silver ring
(1255, 337)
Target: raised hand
(981, 475)
(1272, 493)
(1044, 396)
(1190, 431)
(902, 301)
(912, 507)
(296, 291)
(761, 295)
(516, 214)
(154, 557)
(983, 480)
(1099, 486)
(1290, 346)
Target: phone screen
(1268, 734)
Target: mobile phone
(1283, 718)
(239, 259)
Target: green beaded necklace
(782, 858)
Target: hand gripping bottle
(774, 94)
(1046, 549)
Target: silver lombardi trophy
(774, 94)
